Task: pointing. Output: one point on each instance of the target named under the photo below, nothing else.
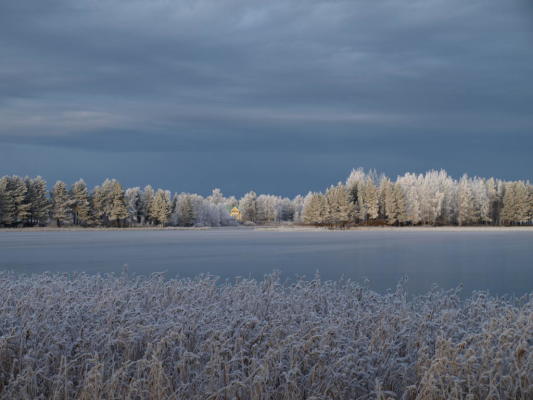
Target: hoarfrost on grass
(85, 337)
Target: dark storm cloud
(291, 78)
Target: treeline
(433, 198)
(26, 202)
(366, 198)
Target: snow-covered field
(118, 337)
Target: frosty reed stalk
(119, 337)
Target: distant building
(235, 213)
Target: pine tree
(60, 204)
(7, 206)
(7, 202)
(18, 191)
(38, 200)
(81, 204)
(118, 211)
(160, 209)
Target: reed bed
(82, 336)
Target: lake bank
(284, 228)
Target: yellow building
(235, 213)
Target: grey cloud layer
(202, 75)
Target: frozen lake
(499, 261)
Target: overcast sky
(280, 96)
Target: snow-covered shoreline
(403, 228)
(82, 337)
(286, 228)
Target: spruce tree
(60, 204)
(19, 193)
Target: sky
(278, 96)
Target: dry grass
(114, 337)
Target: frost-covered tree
(39, 203)
(231, 202)
(409, 185)
(482, 202)
(15, 202)
(338, 208)
(399, 200)
(82, 212)
(61, 204)
(134, 203)
(216, 197)
(314, 209)
(100, 205)
(147, 199)
(268, 208)
(118, 212)
(368, 198)
(515, 208)
(285, 209)
(530, 203)
(391, 208)
(298, 206)
(160, 209)
(430, 198)
(248, 207)
(494, 199)
(184, 211)
(8, 209)
(466, 213)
